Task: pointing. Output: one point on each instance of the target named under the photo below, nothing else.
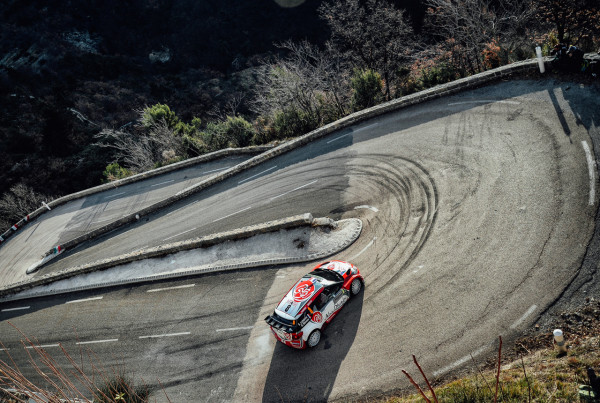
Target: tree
(371, 34)
(575, 21)
(366, 88)
(472, 29)
(307, 82)
(19, 201)
(143, 151)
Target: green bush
(234, 131)
(439, 74)
(292, 123)
(366, 88)
(154, 114)
(115, 172)
(194, 144)
(238, 131)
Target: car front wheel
(356, 286)
(314, 338)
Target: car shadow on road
(309, 375)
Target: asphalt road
(86, 214)
(478, 210)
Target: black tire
(356, 286)
(314, 338)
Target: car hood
(298, 296)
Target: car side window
(321, 300)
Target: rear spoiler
(271, 321)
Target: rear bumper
(288, 339)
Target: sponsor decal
(304, 321)
(282, 335)
(304, 290)
(340, 302)
(317, 317)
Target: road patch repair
(291, 240)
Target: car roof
(309, 286)
(302, 293)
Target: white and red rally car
(313, 302)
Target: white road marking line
(364, 249)
(531, 310)
(486, 101)
(591, 170)
(83, 300)
(237, 212)
(215, 170)
(172, 288)
(293, 190)
(157, 336)
(342, 136)
(352, 132)
(372, 208)
(232, 329)
(96, 341)
(16, 309)
(43, 346)
(184, 232)
(4, 349)
(366, 127)
(260, 173)
(115, 195)
(162, 183)
(459, 362)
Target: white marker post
(538, 52)
(560, 341)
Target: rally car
(313, 302)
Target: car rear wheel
(314, 338)
(356, 286)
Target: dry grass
(84, 380)
(542, 376)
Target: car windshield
(299, 295)
(328, 275)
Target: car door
(337, 298)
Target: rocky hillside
(68, 68)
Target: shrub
(194, 144)
(115, 172)
(440, 73)
(121, 389)
(292, 123)
(238, 131)
(154, 114)
(366, 88)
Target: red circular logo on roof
(303, 290)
